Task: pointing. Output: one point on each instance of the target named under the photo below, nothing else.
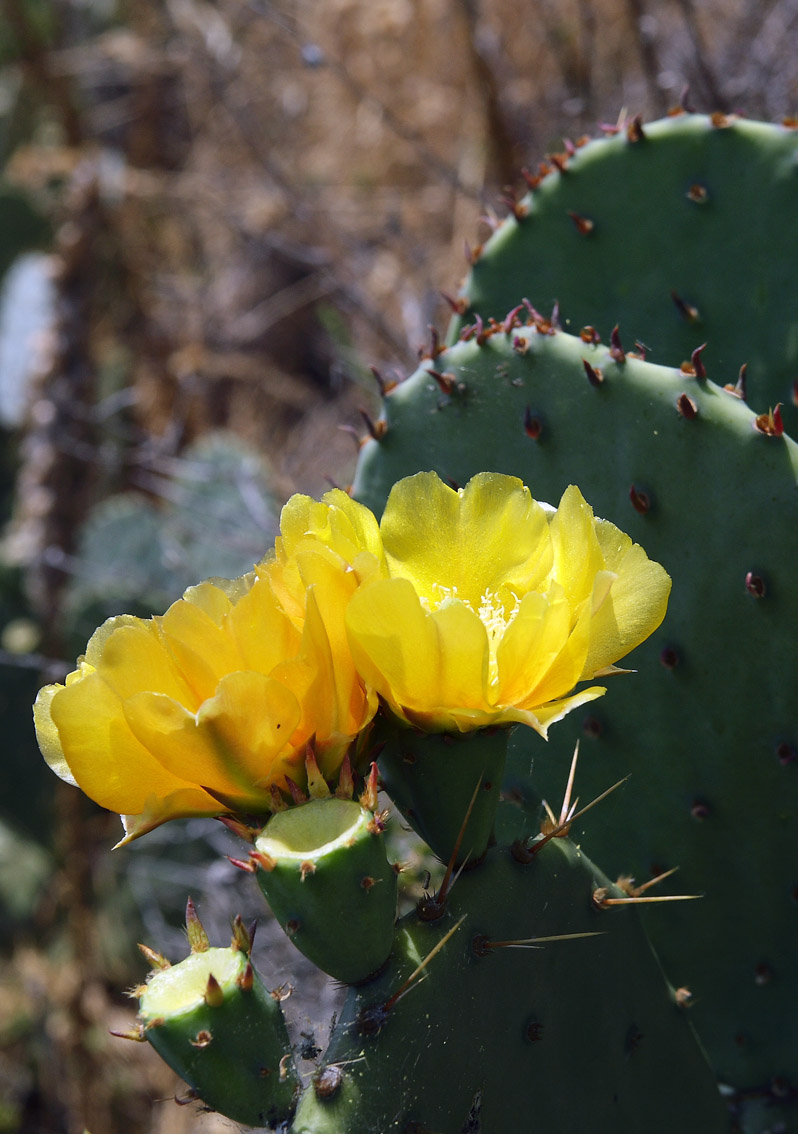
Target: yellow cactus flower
(495, 607)
(202, 710)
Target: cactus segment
(324, 872)
(707, 725)
(437, 779)
(691, 239)
(567, 1035)
(214, 1022)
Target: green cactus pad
(682, 231)
(215, 1023)
(708, 724)
(325, 875)
(434, 778)
(571, 1035)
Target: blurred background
(215, 217)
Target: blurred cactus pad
(212, 512)
(659, 239)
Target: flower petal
(633, 609)
(419, 662)
(104, 757)
(465, 542)
(233, 746)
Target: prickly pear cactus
(681, 231)
(708, 725)
(478, 1039)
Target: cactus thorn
(634, 129)
(640, 351)
(617, 353)
(239, 827)
(459, 306)
(480, 333)
(786, 753)
(368, 798)
(524, 850)
(602, 900)
(429, 909)
(683, 997)
(698, 194)
(697, 362)
(627, 883)
(641, 501)
(197, 937)
(687, 407)
(246, 980)
(685, 102)
(202, 1039)
(738, 390)
(417, 972)
(282, 992)
(685, 309)
(446, 381)
(720, 120)
(242, 864)
(156, 960)
(770, 423)
(214, 993)
(350, 429)
(482, 945)
(594, 376)
(533, 426)
(435, 344)
(511, 319)
(262, 861)
(135, 1034)
(469, 253)
(583, 225)
(385, 385)
(305, 868)
(377, 429)
(755, 585)
(189, 1097)
(590, 335)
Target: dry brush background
(251, 203)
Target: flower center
(492, 613)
